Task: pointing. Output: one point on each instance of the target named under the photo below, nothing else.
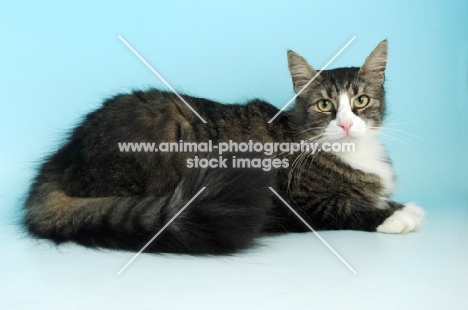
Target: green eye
(361, 101)
(325, 105)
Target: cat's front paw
(409, 218)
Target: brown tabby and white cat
(91, 193)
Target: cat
(92, 193)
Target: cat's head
(343, 104)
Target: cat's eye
(325, 105)
(361, 101)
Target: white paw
(403, 221)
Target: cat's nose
(346, 125)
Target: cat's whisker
(293, 171)
(406, 133)
(299, 162)
(300, 143)
(388, 136)
(314, 138)
(320, 141)
(419, 120)
(408, 146)
(309, 129)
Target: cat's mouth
(339, 135)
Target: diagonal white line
(311, 80)
(161, 78)
(160, 231)
(313, 230)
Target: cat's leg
(388, 217)
(333, 196)
(349, 214)
(404, 220)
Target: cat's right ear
(301, 71)
(374, 67)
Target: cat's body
(92, 193)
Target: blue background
(60, 59)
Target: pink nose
(346, 126)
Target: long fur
(91, 193)
(224, 218)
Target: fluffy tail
(224, 218)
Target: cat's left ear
(301, 71)
(374, 67)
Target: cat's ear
(374, 67)
(301, 71)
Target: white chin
(355, 137)
(346, 138)
(341, 136)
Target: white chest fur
(370, 156)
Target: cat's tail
(225, 217)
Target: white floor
(423, 270)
